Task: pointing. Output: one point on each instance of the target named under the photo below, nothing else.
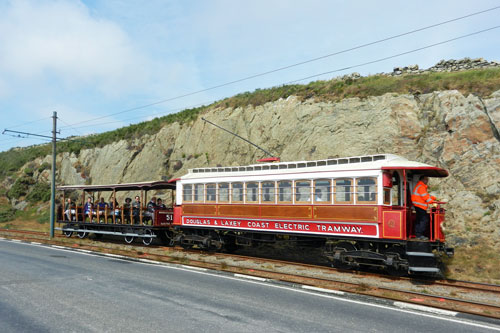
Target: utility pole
(53, 182)
(54, 152)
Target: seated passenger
(151, 209)
(88, 209)
(160, 204)
(136, 209)
(114, 208)
(69, 210)
(126, 209)
(102, 206)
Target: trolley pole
(53, 182)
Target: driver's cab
(398, 185)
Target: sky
(91, 61)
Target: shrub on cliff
(39, 192)
(7, 213)
(20, 187)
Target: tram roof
(353, 163)
(149, 185)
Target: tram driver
(421, 200)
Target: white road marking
(36, 243)
(195, 268)
(16, 240)
(114, 255)
(148, 261)
(323, 290)
(58, 247)
(250, 277)
(411, 306)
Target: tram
(358, 209)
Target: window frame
(363, 193)
(351, 193)
(184, 187)
(242, 194)
(220, 190)
(296, 192)
(328, 192)
(279, 194)
(246, 193)
(214, 185)
(195, 194)
(272, 195)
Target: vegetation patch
(480, 82)
(7, 213)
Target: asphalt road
(45, 289)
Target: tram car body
(358, 209)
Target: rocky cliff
(447, 129)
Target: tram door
(394, 218)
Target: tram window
(187, 194)
(322, 191)
(343, 191)
(396, 189)
(252, 192)
(387, 196)
(268, 192)
(198, 192)
(211, 193)
(285, 191)
(237, 192)
(224, 192)
(302, 191)
(366, 190)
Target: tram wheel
(68, 233)
(129, 239)
(82, 234)
(149, 237)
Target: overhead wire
(395, 55)
(292, 65)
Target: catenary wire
(392, 56)
(395, 55)
(290, 66)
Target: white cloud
(61, 40)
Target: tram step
(416, 246)
(422, 259)
(424, 269)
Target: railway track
(460, 296)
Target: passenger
(160, 204)
(136, 209)
(102, 206)
(88, 209)
(149, 215)
(126, 209)
(152, 205)
(69, 210)
(318, 195)
(421, 200)
(113, 205)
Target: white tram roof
(353, 163)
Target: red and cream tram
(357, 208)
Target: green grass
(481, 82)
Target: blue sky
(89, 59)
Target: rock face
(445, 129)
